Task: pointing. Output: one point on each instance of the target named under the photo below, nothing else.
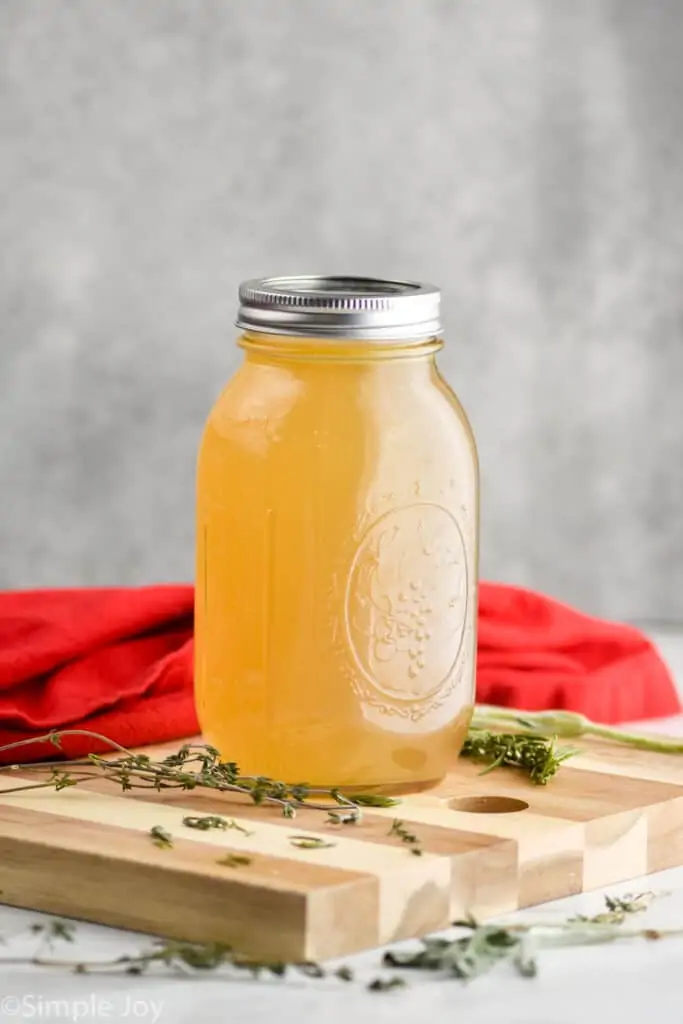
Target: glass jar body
(337, 558)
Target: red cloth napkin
(119, 662)
(535, 653)
(113, 661)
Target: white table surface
(635, 982)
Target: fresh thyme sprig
(618, 908)
(530, 747)
(568, 725)
(406, 836)
(537, 756)
(474, 950)
(192, 766)
(484, 946)
(468, 957)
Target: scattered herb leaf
(310, 843)
(214, 821)
(619, 908)
(205, 823)
(55, 929)
(62, 780)
(161, 837)
(465, 956)
(342, 818)
(406, 836)
(310, 969)
(234, 860)
(62, 930)
(374, 800)
(385, 984)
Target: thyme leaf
(193, 766)
(386, 984)
(374, 800)
(474, 949)
(568, 725)
(619, 908)
(535, 755)
(214, 821)
(161, 837)
(234, 860)
(342, 818)
(310, 843)
(406, 836)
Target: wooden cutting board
(491, 844)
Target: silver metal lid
(340, 307)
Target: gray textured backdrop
(526, 155)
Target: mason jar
(337, 541)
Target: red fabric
(119, 662)
(113, 661)
(538, 654)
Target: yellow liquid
(337, 515)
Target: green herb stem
(535, 755)
(310, 843)
(473, 951)
(399, 829)
(193, 766)
(569, 724)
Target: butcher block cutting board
(490, 844)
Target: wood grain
(489, 844)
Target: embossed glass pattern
(337, 540)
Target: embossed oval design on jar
(406, 602)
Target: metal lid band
(340, 307)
